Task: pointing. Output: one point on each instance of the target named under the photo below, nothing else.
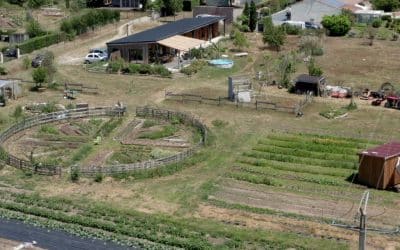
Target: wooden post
(256, 104)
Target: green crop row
(310, 147)
(330, 137)
(128, 226)
(305, 153)
(297, 159)
(107, 127)
(253, 178)
(269, 172)
(295, 167)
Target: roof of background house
(333, 3)
(309, 79)
(167, 30)
(385, 151)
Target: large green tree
(246, 14)
(171, 6)
(274, 36)
(252, 16)
(386, 5)
(239, 40)
(336, 25)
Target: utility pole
(363, 230)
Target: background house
(163, 41)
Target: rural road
(51, 239)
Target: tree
(239, 40)
(67, 4)
(33, 29)
(386, 5)
(286, 67)
(18, 113)
(34, 4)
(274, 36)
(313, 69)
(39, 76)
(246, 14)
(337, 25)
(171, 6)
(252, 16)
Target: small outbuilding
(380, 166)
(306, 83)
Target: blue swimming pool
(222, 63)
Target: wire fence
(168, 115)
(256, 104)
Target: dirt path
(98, 39)
(10, 244)
(276, 223)
(303, 204)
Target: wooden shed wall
(378, 173)
(371, 171)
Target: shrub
(18, 113)
(41, 42)
(386, 5)
(26, 62)
(132, 68)
(48, 129)
(74, 175)
(336, 25)
(3, 71)
(34, 4)
(161, 71)
(376, 23)
(387, 18)
(219, 123)
(80, 24)
(33, 29)
(39, 76)
(99, 177)
(145, 69)
(48, 108)
(291, 29)
(194, 67)
(116, 65)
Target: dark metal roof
(385, 151)
(309, 79)
(167, 30)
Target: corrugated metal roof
(167, 30)
(385, 151)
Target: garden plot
(54, 142)
(304, 174)
(158, 134)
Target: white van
(299, 24)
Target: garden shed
(380, 166)
(306, 83)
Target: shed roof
(384, 151)
(167, 30)
(309, 79)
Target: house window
(135, 55)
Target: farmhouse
(162, 43)
(306, 83)
(380, 166)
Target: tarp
(181, 43)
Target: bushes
(336, 25)
(80, 24)
(39, 76)
(133, 68)
(291, 29)
(194, 67)
(41, 42)
(376, 23)
(3, 71)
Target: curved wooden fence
(162, 114)
(47, 118)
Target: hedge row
(80, 24)
(133, 68)
(41, 42)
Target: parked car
(10, 52)
(311, 25)
(37, 60)
(94, 57)
(103, 52)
